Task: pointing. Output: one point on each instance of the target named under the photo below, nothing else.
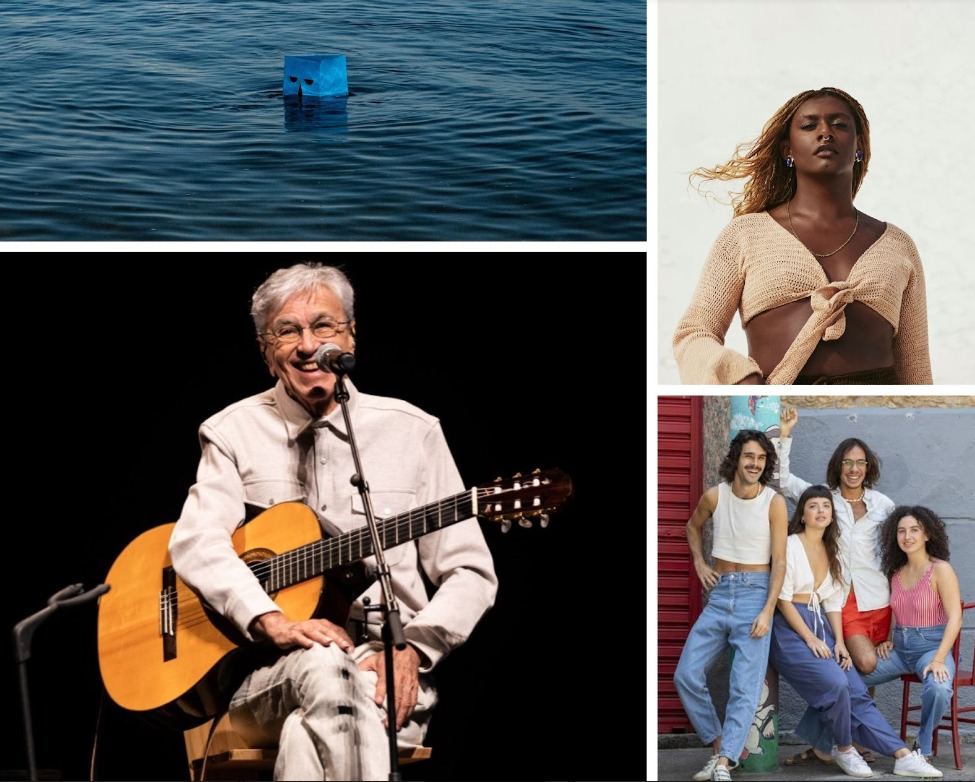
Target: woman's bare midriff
(867, 342)
(724, 566)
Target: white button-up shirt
(859, 539)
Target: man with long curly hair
(852, 473)
(748, 549)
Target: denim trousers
(914, 648)
(318, 707)
(726, 623)
(841, 710)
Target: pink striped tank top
(919, 606)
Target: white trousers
(319, 709)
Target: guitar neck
(314, 559)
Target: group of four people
(852, 592)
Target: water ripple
(481, 121)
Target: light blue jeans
(914, 648)
(726, 622)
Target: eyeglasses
(848, 463)
(291, 332)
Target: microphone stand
(24, 633)
(392, 631)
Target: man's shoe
(705, 773)
(916, 765)
(720, 773)
(851, 763)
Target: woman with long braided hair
(826, 294)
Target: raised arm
(791, 486)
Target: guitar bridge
(168, 613)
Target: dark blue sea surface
(467, 121)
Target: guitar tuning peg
(543, 520)
(506, 525)
(525, 522)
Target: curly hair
(835, 466)
(892, 558)
(730, 463)
(769, 181)
(831, 535)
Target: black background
(114, 359)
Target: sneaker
(720, 773)
(915, 765)
(706, 773)
(851, 762)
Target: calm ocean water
(468, 121)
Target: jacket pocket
(265, 493)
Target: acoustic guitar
(163, 653)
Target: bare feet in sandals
(866, 754)
(809, 757)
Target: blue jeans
(726, 622)
(914, 648)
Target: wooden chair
(231, 758)
(951, 719)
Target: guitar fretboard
(321, 556)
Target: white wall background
(725, 67)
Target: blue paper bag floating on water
(316, 76)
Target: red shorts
(873, 624)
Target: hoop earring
(788, 162)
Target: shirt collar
(297, 419)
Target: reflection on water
(310, 113)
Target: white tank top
(742, 533)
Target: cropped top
(799, 579)
(919, 606)
(756, 265)
(742, 533)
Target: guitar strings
(317, 553)
(357, 544)
(192, 612)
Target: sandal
(867, 755)
(807, 758)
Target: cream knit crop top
(756, 265)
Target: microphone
(331, 358)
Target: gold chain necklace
(824, 255)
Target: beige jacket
(267, 449)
